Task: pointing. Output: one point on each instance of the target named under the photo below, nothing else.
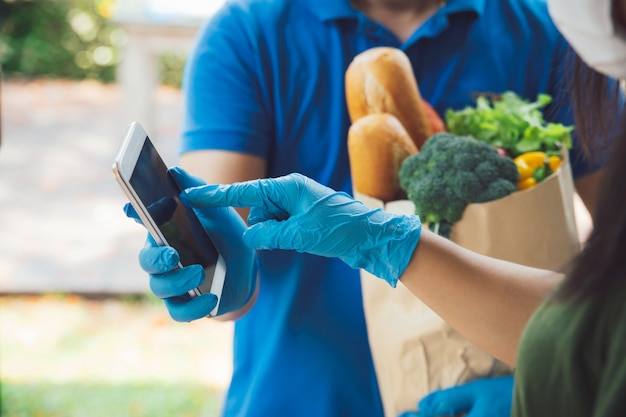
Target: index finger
(255, 193)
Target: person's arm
(619, 12)
(487, 300)
(225, 62)
(223, 167)
(588, 187)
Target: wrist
(393, 252)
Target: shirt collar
(453, 6)
(327, 10)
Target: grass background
(64, 355)
(100, 400)
(63, 228)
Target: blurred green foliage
(59, 39)
(73, 39)
(171, 69)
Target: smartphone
(144, 178)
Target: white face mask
(588, 27)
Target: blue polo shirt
(267, 78)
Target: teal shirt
(572, 359)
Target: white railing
(154, 27)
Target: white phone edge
(217, 285)
(123, 166)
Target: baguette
(377, 145)
(381, 80)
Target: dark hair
(600, 128)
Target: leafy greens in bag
(510, 123)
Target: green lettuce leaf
(512, 123)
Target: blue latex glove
(296, 213)
(172, 284)
(490, 397)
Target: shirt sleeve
(610, 400)
(225, 100)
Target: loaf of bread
(381, 80)
(377, 145)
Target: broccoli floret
(452, 171)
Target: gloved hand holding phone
(172, 284)
(296, 213)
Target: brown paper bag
(414, 350)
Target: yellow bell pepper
(534, 167)
(554, 162)
(527, 163)
(526, 183)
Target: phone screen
(178, 224)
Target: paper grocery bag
(414, 350)
(535, 227)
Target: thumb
(131, 213)
(184, 179)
